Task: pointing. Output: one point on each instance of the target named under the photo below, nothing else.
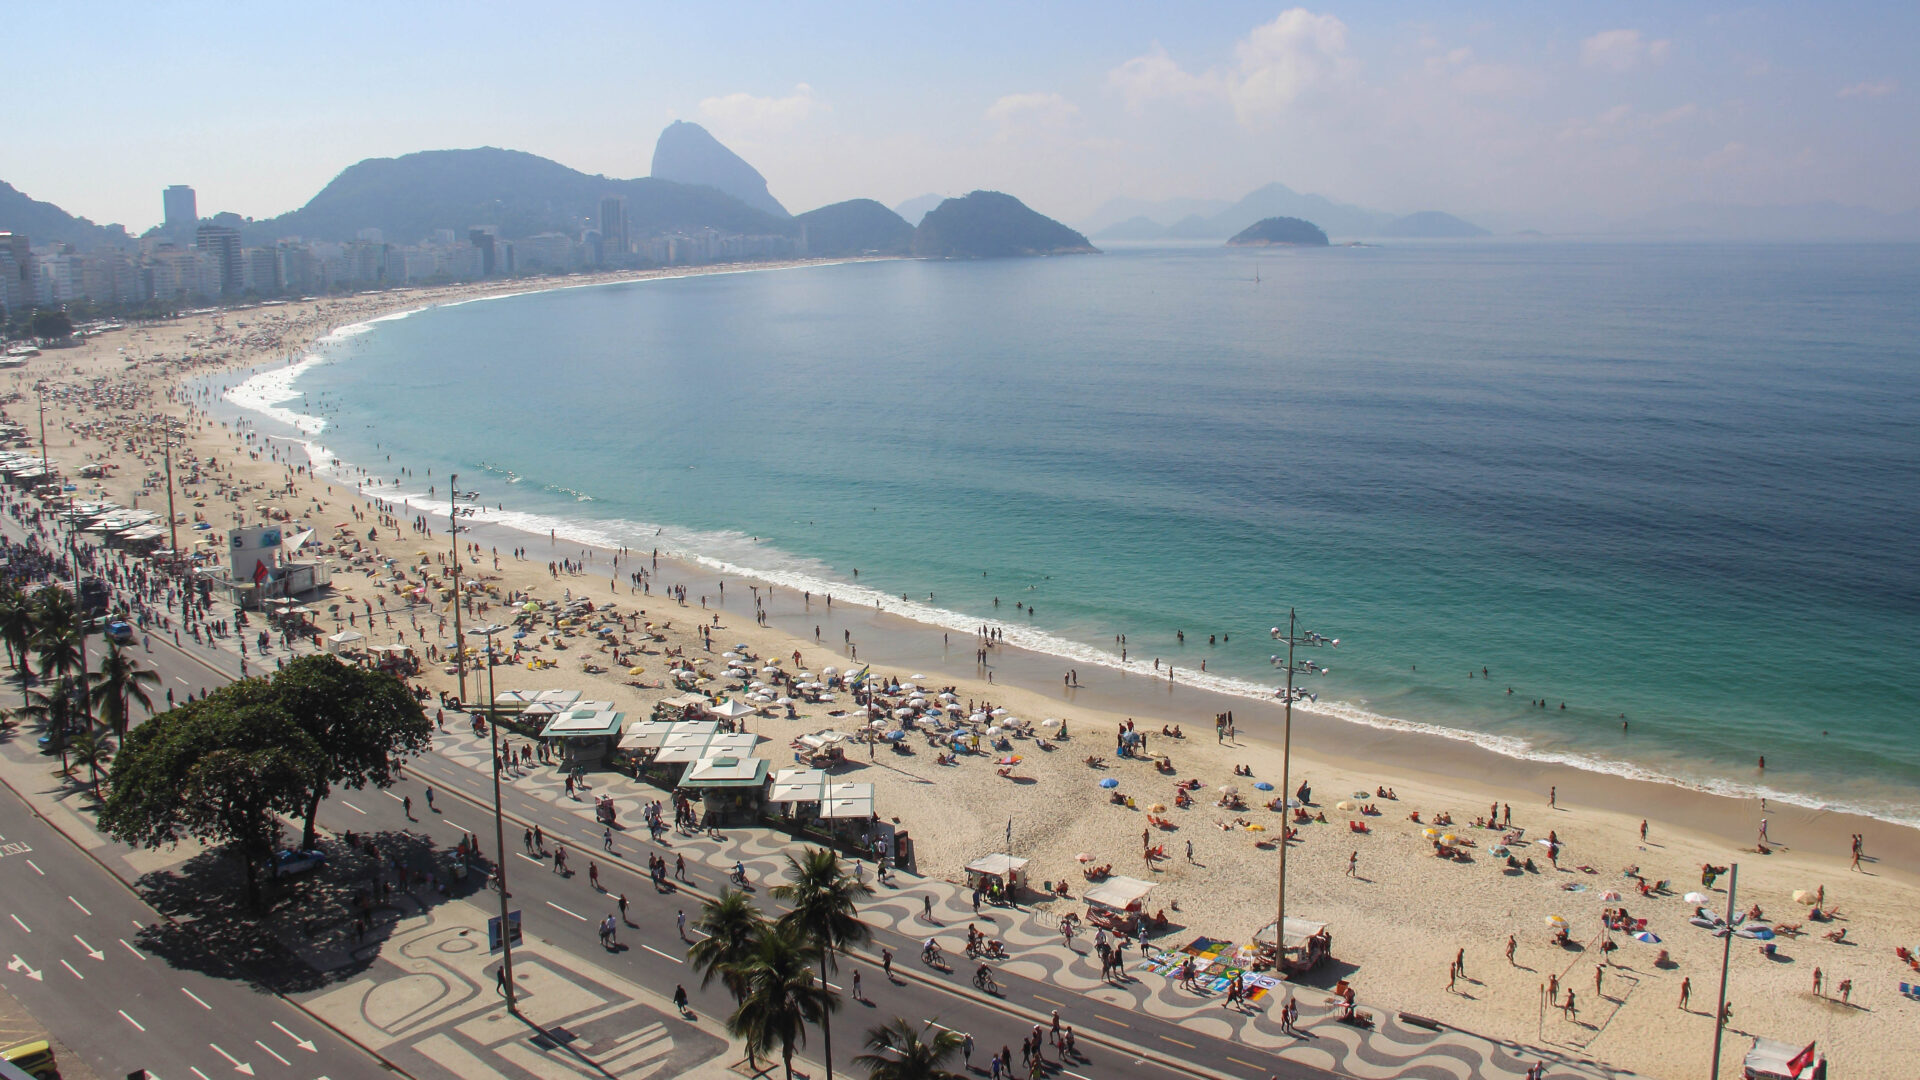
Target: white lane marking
(91, 951)
(36, 868)
(529, 858)
(130, 1020)
(196, 999)
(22, 967)
(16, 919)
(352, 807)
(76, 971)
(304, 1044)
(198, 1073)
(657, 952)
(181, 681)
(81, 906)
(557, 907)
(392, 796)
(131, 949)
(462, 828)
(238, 1065)
(269, 1050)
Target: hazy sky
(1526, 113)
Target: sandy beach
(1398, 918)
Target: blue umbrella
(1263, 786)
(1647, 936)
(1109, 782)
(896, 736)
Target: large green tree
(16, 629)
(733, 927)
(59, 637)
(782, 996)
(823, 898)
(899, 1053)
(222, 770)
(120, 683)
(363, 722)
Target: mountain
(46, 223)
(1797, 221)
(1122, 208)
(854, 227)
(986, 224)
(1134, 228)
(408, 197)
(1432, 225)
(916, 208)
(1279, 200)
(687, 154)
(1280, 231)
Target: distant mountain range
(916, 208)
(1203, 219)
(43, 222)
(856, 227)
(1280, 232)
(989, 224)
(686, 154)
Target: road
(69, 937)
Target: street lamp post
(499, 824)
(1292, 639)
(1726, 955)
(454, 513)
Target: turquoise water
(1677, 483)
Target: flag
(859, 678)
(259, 572)
(1802, 1061)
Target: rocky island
(1280, 232)
(988, 224)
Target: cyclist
(930, 951)
(740, 872)
(984, 978)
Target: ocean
(1675, 484)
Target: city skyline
(1506, 115)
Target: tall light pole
(1726, 955)
(499, 825)
(1292, 639)
(454, 513)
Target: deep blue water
(1674, 482)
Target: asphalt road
(69, 940)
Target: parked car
(120, 632)
(291, 863)
(32, 1058)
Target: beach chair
(1910, 990)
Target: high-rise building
(18, 280)
(221, 243)
(181, 210)
(482, 237)
(613, 225)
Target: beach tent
(344, 638)
(1119, 893)
(1006, 869)
(732, 710)
(844, 801)
(798, 786)
(1771, 1059)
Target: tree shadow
(316, 929)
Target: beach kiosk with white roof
(1118, 902)
(585, 733)
(1007, 871)
(731, 787)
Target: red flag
(1802, 1060)
(259, 572)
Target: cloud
(1622, 50)
(1275, 65)
(1869, 89)
(1036, 110)
(746, 111)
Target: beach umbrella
(1157, 808)
(978, 718)
(1343, 804)
(994, 730)
(902, 714)
(878, 725)
(1109, 783)
(1696, 898)
(1263, 786)
(769, 671)
(999, 712)
(1647, 936)
(729, 656)
(1610, 894)
(1429, 833)
(1051, 721)
(783, 700)
(636, 670)
(1083, 857)
(1557, 922)
(1256, 828)
(829, 670)
(1805, 896)
(896, 736)
(1229, 789)
(1449, 839)
(917, 676)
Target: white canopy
(848, 801)
(731, 710)
(689, 747)
(1118, 892)
(798, 785)
(998, 865)
(653, 734)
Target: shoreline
(1473, 747)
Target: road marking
(81, 906)
(238, 1065)
(1237, 1061)
(304, 1044)
(1111, 1020)
(76, 971)
(557, 907)
(462, 828)
(392, 796)
(657, 952)
(91, 951)
(352, 807)
(181, 681)
(1177, 1042)
(1050, 1001)
(198, 1073)
(36, 868)
(21, 966)
(269, 1050)
(131, 949)
(130, 1020)
(16, 919)
(196, 999)
(531, 859)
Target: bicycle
(983, 980)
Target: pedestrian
(1453, 972)
(1511, 946)
(680, 998)
(1353, 864)
(680, 867)
(593, 875)
(406, 804)
(539, 839)
(966, 1050)
(1643, 830)
(1189, 851)
(1553, 796)
(623, 909)
(926, 906)
(1460, 961)
(856, 971)
(430, 805)
(1686, 991)
(680, 921)
(1572, 1010)
(606, 838)
(886, 962)
(1846, 991)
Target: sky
(1554, 116)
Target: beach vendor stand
(1118, 903)
(1770, 1059)
(586, 733)
(822, 749)
(1307, 943)
(998, 875)
(732, 789)
(794, 791)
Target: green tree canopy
(363, 722)
(899, 1053)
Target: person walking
(430, 805)
(623, 909)
(680, 998)
(593, 875)
(1511, 946)
(886, 962)
(680, 922)
(1816, 982)
(966, 1050)
(1686, 991)
(856, 971)
(680, 867)
(406, 804)
(926, 906)
(606, 838)
(1353, 864)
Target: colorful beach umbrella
(1557, 922)
(1648, 937)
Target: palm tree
(120, 682)
(823, 896)
(60, 637)
(899, 1053)
(781, 996)
(52, 709)
(734, 927)
(94, 750)
(16, 629)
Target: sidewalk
(1390, 1049)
